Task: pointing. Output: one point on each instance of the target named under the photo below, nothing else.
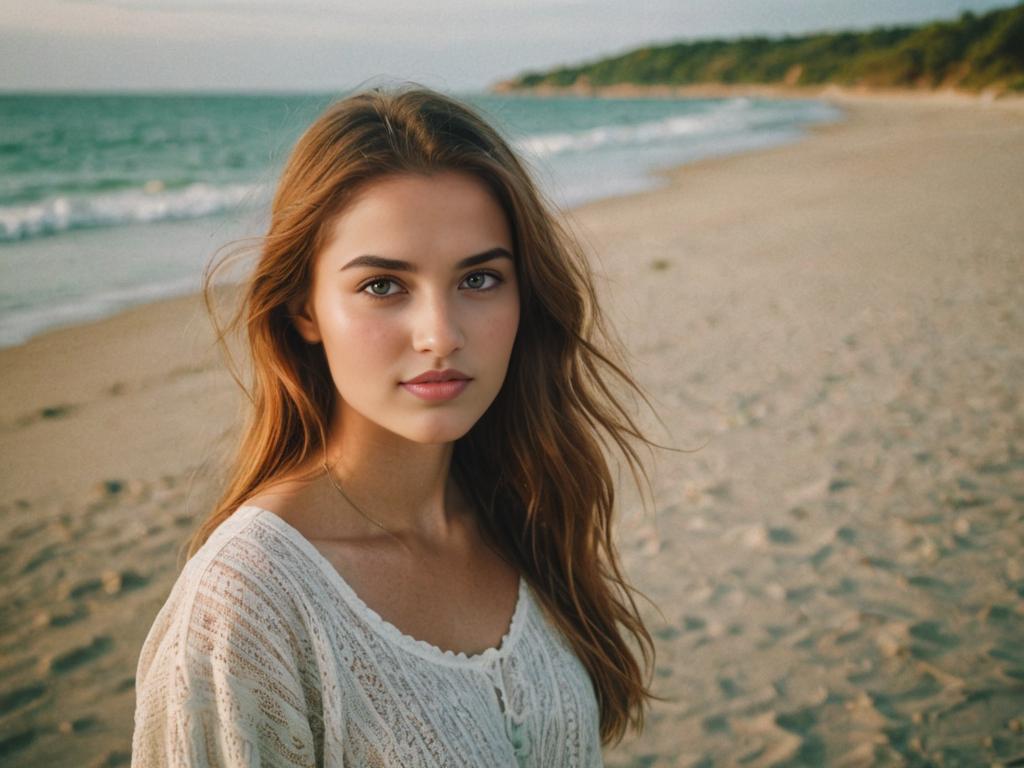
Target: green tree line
(971, 53)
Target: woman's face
(417, 277)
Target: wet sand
(838, 569)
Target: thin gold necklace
(330, 476)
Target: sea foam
(150, 203)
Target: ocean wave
(150, 203)
(733, 115)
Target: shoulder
(299, 498)
(247, 565)
(228, 654)
(236, 591)
(309, 504)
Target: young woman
(412, 563)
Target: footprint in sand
(729, 687)
(1000, 615)
(716, 724)
(839, 484)
(821, 555)
(62, 663)
(846, 534)
(845, 586)
(49, 412)
(932, 584)
(126, 684)
(800, 594)
(693, 623)
(782, 535)
(874, 561)
(926, 687)
(80, 589)
(770, 744)
(25, 530)
(667, 633)
(117, 582)
(56, 411)
(11, 744)
(799, 721)
(21, 697)
(1011, 653)
(111, 582)
(79, 725)
(54, 618)
(43, 556)
(936, 641)
(110, 487)
(113, 758)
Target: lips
(437, 390)
(430, 377)
(437, 385)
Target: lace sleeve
(220, 679)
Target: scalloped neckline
(388, 630)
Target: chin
(438, 430)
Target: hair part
(534, 464)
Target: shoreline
(829, 92)
(834, 322)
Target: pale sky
(331, 45)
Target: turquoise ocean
(107, 201)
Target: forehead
(450, 213)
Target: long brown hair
(534, 464)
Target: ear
(304, 319)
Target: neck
(402, 485)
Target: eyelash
(368, 283)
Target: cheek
(373, 333)
(360, 340)
(500, 330)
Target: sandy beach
(838, 571)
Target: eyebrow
(379, 262)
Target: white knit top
(264, 656)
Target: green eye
(373, 289)
(478, 281)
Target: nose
(436, 328)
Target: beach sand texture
(838, 569)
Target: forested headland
(973, 53)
